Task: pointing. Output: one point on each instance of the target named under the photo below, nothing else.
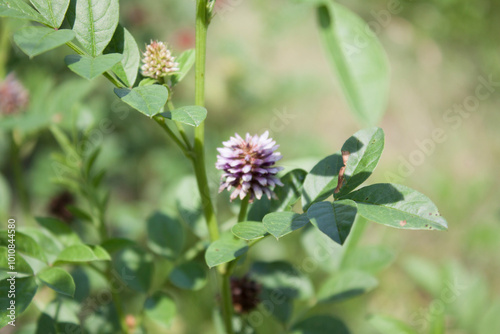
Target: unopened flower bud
(158, 61)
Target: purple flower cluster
(248, 166)
(13, 96)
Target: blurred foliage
(266, 70)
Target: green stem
(180, 127)
(160, 120)
(199, 132)
(227, 303)
(243, 209)
(17, 166)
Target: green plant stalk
(227, 303)
(17, 166)
(199, 132)
(243, 209)
(180, 127)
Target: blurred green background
(266, 70)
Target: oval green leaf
(249, 230)
(24, 244)
(280, 224)
(20, 266)
(20, 10)
(365, 148)
(36, 40)
(53, 10)
(149, 100)
(397, 206)
(322, 180)
(190, 115)
(25, 291)
(186, 61)
(89, 67)
(95, 24)
(81, 253)
(225, 249)
(335, 220)
(358, 59)
(124, 43)
(58, 280)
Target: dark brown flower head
(245, 293)
(58, 204)
(13, 96)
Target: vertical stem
(227, 303)
(199, 133)
(199, 150)
(243, 209)
(17, 165)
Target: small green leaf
(60, 230)
(189, 275)
(397, 206)
(358, 59)
(165, 235)
(190, 115)
(79, 253)
(95, 24)
(385, 324)
(24, 244)
(346, 284)
(20, 10)
(115, 244)
(225, 249)
(53, 10)
(124, 43)
(186, 61)
(20, 266)
(290, 192)
(135, 268)
(335, 220)
(25, 291)
(365, 148)
(149, 100)
(280, 224)
(100, 253)
(320, 324)
(322, 180)
(249, 230)
(36, 40)
(58, 280)
(90, 68)
(160, 309)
